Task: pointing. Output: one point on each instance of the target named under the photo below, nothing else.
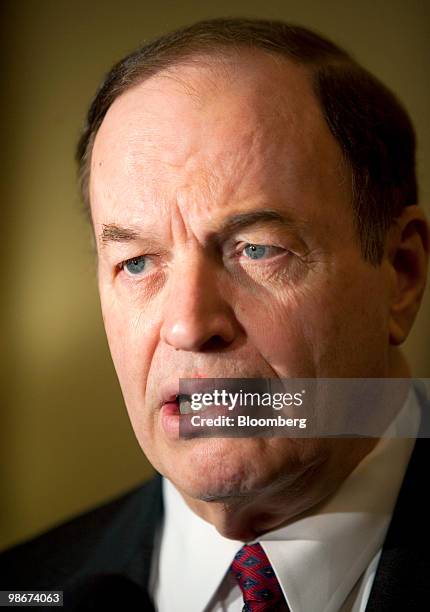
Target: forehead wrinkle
(232, 175)
(222, 169)
(262, 124)
(215, 162)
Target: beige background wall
(66, 443)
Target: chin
(205, 469)
(227, 470)
(217, 480)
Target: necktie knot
(257, 581)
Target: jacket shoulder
(60, 552)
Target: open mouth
(183, 402)
(183, 406)
(177, 414)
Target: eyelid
(241, 247)
(120, 267)
(124, 262)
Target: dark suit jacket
(118, 538)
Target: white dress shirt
(325, 561)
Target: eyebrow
(118, 233)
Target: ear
(407, 250)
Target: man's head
(245, 228)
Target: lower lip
(170, 419)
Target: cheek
(322, 328)
(125, 330)
(132, 340)
(276, 328)
(344, 324)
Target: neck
(246, 517)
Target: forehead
(236, 124)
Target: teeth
(185, 406)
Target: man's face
(176, 159)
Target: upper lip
(170, 391)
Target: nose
(196, 315)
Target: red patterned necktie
(257, 581)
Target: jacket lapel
(402, 580)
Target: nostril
(214, 343)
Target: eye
(261, 251)
(135, 266)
